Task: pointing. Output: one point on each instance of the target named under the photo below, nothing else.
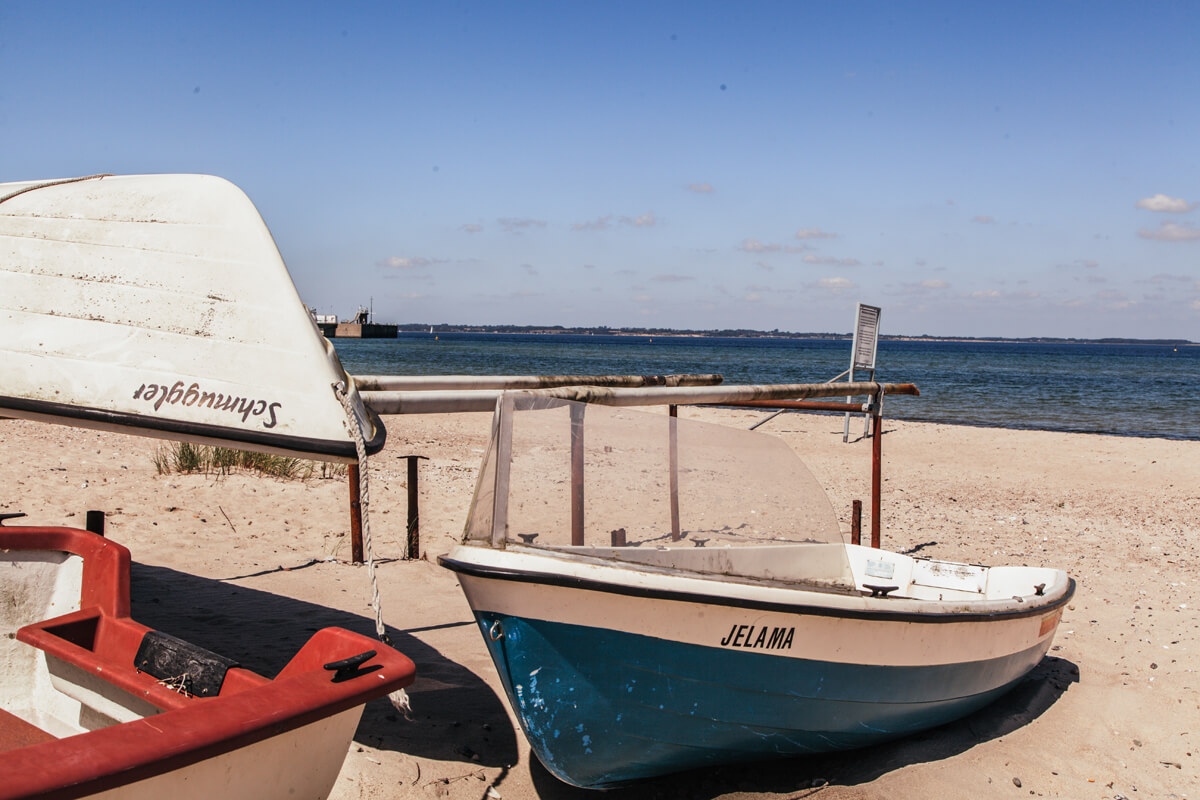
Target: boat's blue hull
(602, 707)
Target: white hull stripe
(794, 632)
(806, 601)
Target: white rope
(399, 697)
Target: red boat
(101, 705)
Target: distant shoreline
(776, 334)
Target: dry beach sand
(250, 566)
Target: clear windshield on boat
(562, 474)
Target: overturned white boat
(159, 305)
(660, 594)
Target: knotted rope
(399, 697)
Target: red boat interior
(215, 707)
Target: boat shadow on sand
(473, 726)
(1028, 700)
(470, 725)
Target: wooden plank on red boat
(16, 732)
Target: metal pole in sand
(577, 474)
(674, 458)
(876, 467)
(356, 540)
(414, 512)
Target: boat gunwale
(933, 615)
(141, 425)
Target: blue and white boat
(661, 594)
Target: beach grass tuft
(185, 457)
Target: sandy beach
(250, 566)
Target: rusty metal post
(577, 410)
(618, 537)
(356, 542)
(856, 522)
(674, 468)
(95, 522)
(414, 512)
(876, 472)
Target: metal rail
(428, 383)
(464, 400)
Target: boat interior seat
(101, 646)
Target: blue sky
(1010, 169)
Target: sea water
(1123, 389)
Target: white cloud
(836, 284)
(764, 265)
(643, 221)
(934, 284)
(672, 278)
(755, 246)
(604, 223)
(700, 188)
(1105, 300)
(517, 224)
(831, 261)
(983, 219)
(1114, 300)
(814, 233)
(403, 262)
(598, 224)
(642, 298)
(1165, 204)
(471, 227)
(1078, 263)
(1172, 232)
(985, 293)
(1196, 305)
